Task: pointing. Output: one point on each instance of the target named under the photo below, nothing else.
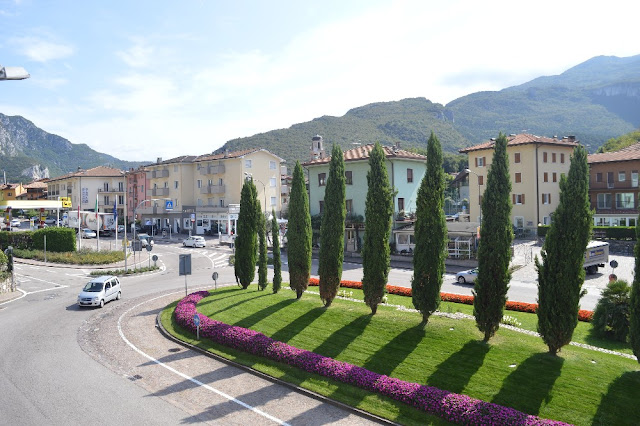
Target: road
(63, 364)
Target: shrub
(611, 317)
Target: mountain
(595, 101)
(28, 152)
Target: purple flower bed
(447, 405)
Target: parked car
(87, 233)
(99, 291)
(194, 241)
(105, 232)
(145, 239)
(468, 276)
(50, 220)
(15, 223)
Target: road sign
(149, 247)
(168, 205)
(185, 264)
(215, 276)
(613, 264)
(137, 245)
(193, 217)
(154, 258)
(196, 319)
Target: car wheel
(118, 296)
(184, 244)
(461, 280)
(102, 303)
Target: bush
(611, 317)
(59, 239)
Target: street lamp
(264, 188)
(13, 73)
(479, 204)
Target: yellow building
(11, 191)
(535, 166)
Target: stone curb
(275, 380)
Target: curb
(275, 380)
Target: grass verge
(514, 370)
(80, 257)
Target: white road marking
(24, 293)
(184, 376)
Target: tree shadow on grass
(298, 324)
(620, 405)
(226, 308)
(394, 353)
(454, 373)
(256, 317)
(530, 385)
(341, 338)
(595, 339)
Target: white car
(99, 291)
(194, 241)
(87, 233)
(15, 223)
(467, 276)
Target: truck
(596, 255)
(88, 220)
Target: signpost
(196, 321)
(215, 279)
(185, 269)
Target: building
(102, 186)
(35, 190)
(204, 191)
(11, 191)
(405, 169)
(136, 184)
(535, 164)
(613, 186)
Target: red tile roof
(222, 155)
(524, 139)
(629, 153)
(100, 171)
(362, 153)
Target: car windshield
(93, 287)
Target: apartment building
(204, 191)
(137, 184)
(536, 164)
(35, 190)
(104, 185)
(613, 186)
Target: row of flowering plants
(583, 315)
(450, 406)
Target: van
(99, 291)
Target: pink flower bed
(447, 405)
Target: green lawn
(580, 386)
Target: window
(516, 158)
(622, 176)
(546, 221)
(121, 199)
(349, 206)
(480, 180)
(272, 165)
(210, 202)
(210, 182)
(400, 204)
(546, 198)
(609, 179)
(120, 186)
(199, 202)
(598, 177)
(106, 200)
(634, 179)
(624, 200)
(518, 198)
(555, 177)
(562, 158)
(166, 184)
(553, 157)
(273, 201)
(348, 177)
(175, 184)
(199, 183)
(409, 175)
(604, 201)
(480, 161)
(322, 179)
(272, 182)
(247, 164)
(544, 157)
(220, 182)
(546, 177)
(221, 202)
(321, 206)
(106, 187)
(518, 177)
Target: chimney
(226, 153)
(571, 138)
(159, 160)
(397, 144)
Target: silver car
(467, 276)
(194, 241)
(99, 291)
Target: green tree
(430, 234)
(494, 252)
(262, 249)
(299, 234)
(332, 229)
(246, 239)
(378, 212)
(277, 263)
(634, 299)
(561, 272)
(611, 317)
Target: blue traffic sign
(168, 205)
(196, 320)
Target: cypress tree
(246, 239)
(332, 229)
(277, 263)
(634, 303)
(378, 212)
(561, 272)
(262, 248)
(299, 234)
(494, 252)
(430, 234)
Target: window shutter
(513, 197)
(522, 198)
(549, 198)
(476, 158)
(484, 161)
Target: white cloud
(41, 50)
(139, 55)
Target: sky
(145, 79)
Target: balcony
(212, 189)
(159, 192)
(212, 170)
(110, 190)
(159, 174)
(284, 189)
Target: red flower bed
(583, 315)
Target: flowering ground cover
(391, 351)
